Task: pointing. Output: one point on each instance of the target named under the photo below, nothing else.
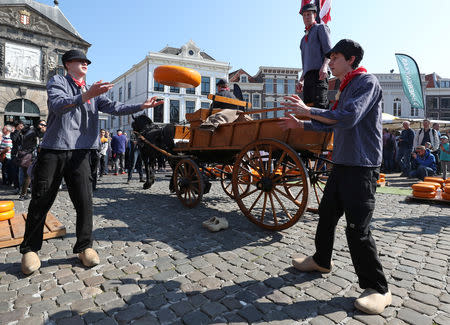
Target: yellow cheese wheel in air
(423, 187)
(427, 195)
(6, 206)
(172, 75)
(6, 215)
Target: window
(280, 86)
(244, 78)
(129, 90)
(22, 106)
(157, 86)
(256, 100)
(397, 107)
(246, 97)
(60, 71)
(434, 102)
(174, 89)
(120, 94)
(269, 86)
(291, 86)
(269, 105)
(190, 106)
(206, 85)
(445, 102)
(158, 114)
(414, 111)
(204, 105)
(111, 96)
(190, 91)
(382, 106)
(174, 111)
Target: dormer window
(244, 78)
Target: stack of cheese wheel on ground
(439, 180)
(446, 190)
(381, 179)
(424, 190)
(6, 210)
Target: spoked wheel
(226, 180)
(318, 170)
(188, 182)
(278, 185)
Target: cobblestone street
(160, 266)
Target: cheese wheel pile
(424, 190)
(6, 210)
(446, 190)
(381, 179)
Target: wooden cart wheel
(266, 166)
(318, 171)
(226, 180)
(188, 182)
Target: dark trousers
(315, 90)
(103, 165)
(7, 174)
(50, 168)
(135, 162)
(118, 162)
(351, 190)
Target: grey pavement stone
(413, 317)
(196, 318)
(10, 316)
(42, 306)
(250, 313)
(131, 313)
(68, 298)
(166, 316)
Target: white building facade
(394, 100)
(137, 84)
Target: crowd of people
(417, 153)
(19, 145)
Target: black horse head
(142, 122)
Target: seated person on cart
(224, 90)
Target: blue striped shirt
(313, 51)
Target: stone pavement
(158, 265)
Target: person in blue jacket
(424, 163)
(355, 120)
(71, 135)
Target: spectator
(426, 134)
(104, 144)
(437, 127)
(388, 151)
(424, 163)
(16, 138)
(118, 146)
(445, 156)
(135, 161)
(5, 154)
(27, 153)
(405, 147)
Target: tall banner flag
(410, 75)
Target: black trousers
(315, 90)
(351, 190)
(50, 168)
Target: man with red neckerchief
(71, 135)
(350, 189)
(314, 45)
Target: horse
(162, 137)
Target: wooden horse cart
(274, 175)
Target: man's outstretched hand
(151, 102)
(97, 89)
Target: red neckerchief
(307, 30)
(348, 77)
(81, 85)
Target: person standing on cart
(72, 132)
(313, 46)
(356, 121)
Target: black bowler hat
(221, 82)
(74, 55)
(348, 48)
(308, 7)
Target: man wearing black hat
(224, 91)
(356, 122)
(314, 45)
(72, 132)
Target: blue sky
(253, 33)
